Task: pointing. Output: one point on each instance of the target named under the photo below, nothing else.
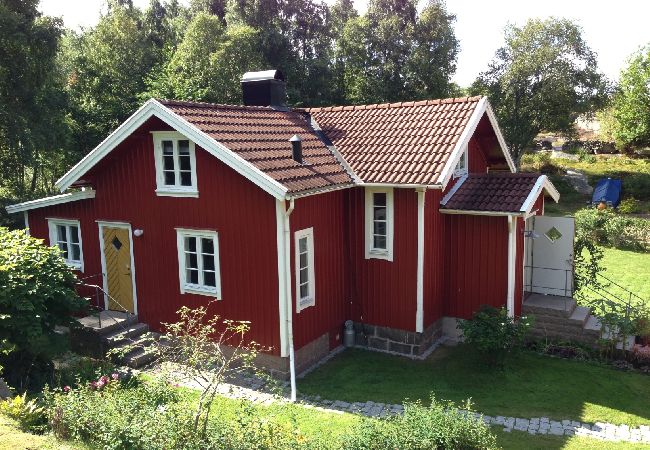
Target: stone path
(255, 390)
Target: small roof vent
(264, 88)
(296, 144)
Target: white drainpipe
(289, 303)
(512, 246)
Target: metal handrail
(569, 284)
(627, 291)
(99, 289)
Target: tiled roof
(401, 143)
(493, 192)
(260, 135)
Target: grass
(531, 385)
(570, 199)
(629, 269)
(11, 438)
(520, 440)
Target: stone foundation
(305, 357)
(393, 340)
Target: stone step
(126, 335)
(549, 305)
(593, 324)
(580, 315)
(139, 358)
(107, 322)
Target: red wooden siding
(242, 214)
(384, 292)
(433, 257)
(476, 161)
(476, 263)
(325, 213)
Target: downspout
(419, 312)
(288, 296)
(512, 242)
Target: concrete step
(593, 324)
(107, 322)
(549, 305)
(139, 358)
(123, 336)
(580, 315)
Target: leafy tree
(341, 12)
(631, 105)
(543, 78)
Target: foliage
(641, 353)
(631, 104)
(36, 293)
(543, 78)
(439, 425)
(610, 229)
(587, 260)
(494, 334)
(537, 162)
(629, 205)
(619, 320)
(28, 413)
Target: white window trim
(161, 188)
(371, 252)
(188, 288)
(462, 165)
(310, 300)
(52, 224)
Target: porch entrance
(117, 266)
(548, 250)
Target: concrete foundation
(393, 340)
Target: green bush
(28, 413)
(494, 334)
(438, 426)
(613, 230)
(537, 162)
(629, 206)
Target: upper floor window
(379, 223)
(198, 260)
(304, 261)
(175, 164)
(66, 235)
(461, 166)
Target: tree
(631, 104)
(543, 78)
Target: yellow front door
(117, 254)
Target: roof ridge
(172, 102)
(401, 104)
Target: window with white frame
(66, 235)
(461, 166)
(175, 164)
(304, 261)
(379, 223)
(198, 261)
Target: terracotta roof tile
(261, 135)
(493, 192)
(390, 142)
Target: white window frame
(371, 251)
(462, 164)
(177, 190)
(310, 300)
(191, 288)
(54, 240)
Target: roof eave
(50, 201)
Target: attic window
(175, 164)
(461, 167)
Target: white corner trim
(311, 276)
(154, 108)
(26, 218)
(101, 224)
(542, 183)
(50, 201)
(419, 312)
(453, 190)
(52, 230)
(512, 248)
(280, 217)
(372, 253)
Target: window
(66, 235)
(379, 224)
(305, 282)
(461, 167)
(175, 164)
(198, 262)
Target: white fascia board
(453, 190)
(481, 213)
(397, 185)
(49, 201)
(542, 183)
(154, 108)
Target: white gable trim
(49, 201)
(542, 183)
(483, 107)
(154, 108)
(453, 190)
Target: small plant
(494, 334)
(629, 205)
(641, 354)
(29, 414)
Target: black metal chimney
(296, 144)
(265, 88)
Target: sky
(614, 30)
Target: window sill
(177, 193)
(379, 254)
(75, 265)
(200, 291)
(305, 303)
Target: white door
(549, 255)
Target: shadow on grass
(529, 386)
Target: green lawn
(531, 385)
(518, 440)
(11, 438)
(629, 269)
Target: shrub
(537, 162)
(629, 206)
(36, 294)
(494, 334)
(28, 413)
(440, 425)
(641, 353)
(613, 230)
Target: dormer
(175, 164)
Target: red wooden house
(401, 217)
